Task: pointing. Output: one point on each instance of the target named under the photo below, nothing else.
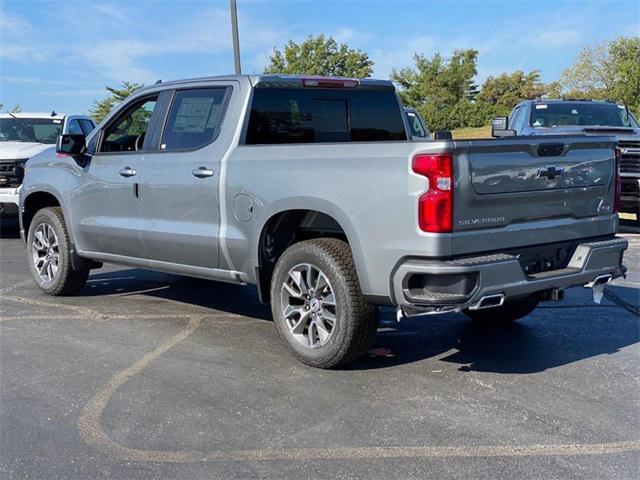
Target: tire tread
(361, 328)
(73, 280)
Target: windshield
(584, 114)
(41, 130)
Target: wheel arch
(287, 226)
(33, 202)
(37, 200)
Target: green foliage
(609, 71)
(320, 56)
(625, 54)
(507, 90)
(101, 108)
(443, 91)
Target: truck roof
(571, 100)
(54, 115)
(277, 80)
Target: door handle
(202, 172)
(127, 172)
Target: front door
(105, 207)
(180, 182)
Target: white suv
(23, 135)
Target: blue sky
(60, 54)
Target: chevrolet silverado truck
(555, 117)
(23, 135)
(312, 189)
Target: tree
(625, 53)
(320, 56)
(101, 108)
(608, 71)
(443, 90)
(505, 91)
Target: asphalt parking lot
(146, 375)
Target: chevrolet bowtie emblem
(551, 172)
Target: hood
(18, 150)
(622, 133)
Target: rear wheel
(49, 254)
(507, 313)
(317, 304)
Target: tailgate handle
(550, 149)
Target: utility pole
(234, 34)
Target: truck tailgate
(532, 190)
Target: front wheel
(317, 305)
(49, 254)
(507, 313)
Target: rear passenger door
(179, 183)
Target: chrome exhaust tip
(489, 301)
(599, 280)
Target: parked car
(559, 117)
(23, 135)
(417, 127)
(312, 189)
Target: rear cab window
(317, 115)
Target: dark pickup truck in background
(571, 117)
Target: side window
(416, 126)
(75, 128)
(520, 121)
(514, 118)
(87, 126)
(194, 119)
(128, 131)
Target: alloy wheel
(309, 305)
(45, 252)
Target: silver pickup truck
(313, 190)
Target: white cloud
(113, 12)
(12, 24)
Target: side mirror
(442, 135)
(70, 144)
(500, 128)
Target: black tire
(66, 280)
(507, 313)
(356, 320)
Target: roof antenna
(158, 82)
(53, 113)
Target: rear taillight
(618, 189)
(435, 206)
